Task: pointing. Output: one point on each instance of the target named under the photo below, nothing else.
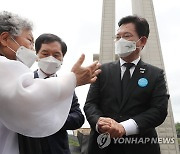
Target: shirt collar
(134, 62)
(43, 75)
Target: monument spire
(107, 32)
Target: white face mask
(124, 47)
(25, 55)
(49, 65)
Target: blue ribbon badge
(143, 82)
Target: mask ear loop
(138, 41)
(11, 49)
(15, 42)
(14, 52)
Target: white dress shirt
(32, 107)
(129, 125)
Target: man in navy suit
(51, 50)
(129, 98)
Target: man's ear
(4, 36)
(143, 41)
(62, 60)
(37, 57)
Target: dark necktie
(126, 77)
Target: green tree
(178, 131)
(178, 128)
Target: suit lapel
(116, 80)
(139, 72)
(36, 74)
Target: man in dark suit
(129, 98)
(51, 50)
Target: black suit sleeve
(75, 118)
(157, 111)
(91, 108)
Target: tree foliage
(178, 129)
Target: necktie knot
(128, 65)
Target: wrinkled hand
(85, 75)
(109, 125)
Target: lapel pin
(142, 69)
(142, 82)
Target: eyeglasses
(126, 36)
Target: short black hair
(141, 24)
(49, 38)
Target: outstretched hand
(85, 75)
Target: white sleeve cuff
(130, 127)
(97, 128)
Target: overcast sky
(78, 23)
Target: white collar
(134, 61)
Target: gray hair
(13, 23)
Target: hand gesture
(85, 75)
